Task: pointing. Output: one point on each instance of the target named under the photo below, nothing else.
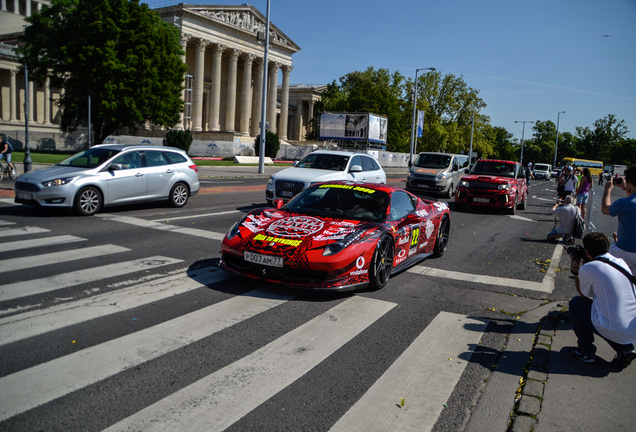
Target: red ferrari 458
(337, 236)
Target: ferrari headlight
(338, 246)
(233, 232)
(58, 182)
(505, 186)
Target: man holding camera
(611, 312)
(567, 220)
(625, 209)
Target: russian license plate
(286, 194)
(481, 200)
(24, 196)
(267, 260)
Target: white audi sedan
(109, 174)
(321, 166)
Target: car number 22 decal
(415, 237)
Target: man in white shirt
(611, 312)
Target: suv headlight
(58, 182)
(505, 186)
(464, 183)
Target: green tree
(374, 91)
(541, 147)
(118, 52)
(272, 144)
(599, 143)
(181, 139)
(503, 144)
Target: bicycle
(6, 169)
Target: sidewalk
(557, 391)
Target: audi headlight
(338, 246)
(58, 182)
(505, 186)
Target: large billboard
(354, 126)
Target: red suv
(494, 183)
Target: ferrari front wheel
(382, 263)
(442, 237)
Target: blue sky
(527, 59)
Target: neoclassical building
(224, 54)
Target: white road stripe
(40, 384)
(65, 280)
(21, 326)
(220, 399)
(31, 243)
(10, 201)
(5, 223)
(163, 227)
(424, 375)
(13, 264)
(546, 285)
(8, 232)
(198, 216)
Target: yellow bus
(596, 167)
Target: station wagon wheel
(88, 201)
(442, 237)
(179, 195)
(382, 263)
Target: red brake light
(194, 167)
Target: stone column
(284, 103)
(215, 109)
(3, 5)
(28, 8)
(47, 101)
(197, 97)
(246, 95)
(16, 7)
(272, 96)
(230, 105)
(257, 98)
(13, 97)
(184, 46)
(300, 107)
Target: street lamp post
(414, 111)
(523, 129)
(472, 130)
(261, 154)
(556, 143)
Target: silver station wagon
(111, 175)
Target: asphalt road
(122, 320)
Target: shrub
(272, 144)
(178, 138)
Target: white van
(436, 173)
(542, 171)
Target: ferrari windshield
(494, 168)
(341, 201)
(91, 158)
(324, 161)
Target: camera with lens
(577, 253)
(617, 180)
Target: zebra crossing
(424, 374)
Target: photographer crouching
(611, 310)
(567, 220)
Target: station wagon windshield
(90, 158)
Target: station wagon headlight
(505, 186)
(338, 246)
(58, 182)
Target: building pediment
(245, 18)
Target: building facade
(223, 87)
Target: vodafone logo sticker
(360, 262)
